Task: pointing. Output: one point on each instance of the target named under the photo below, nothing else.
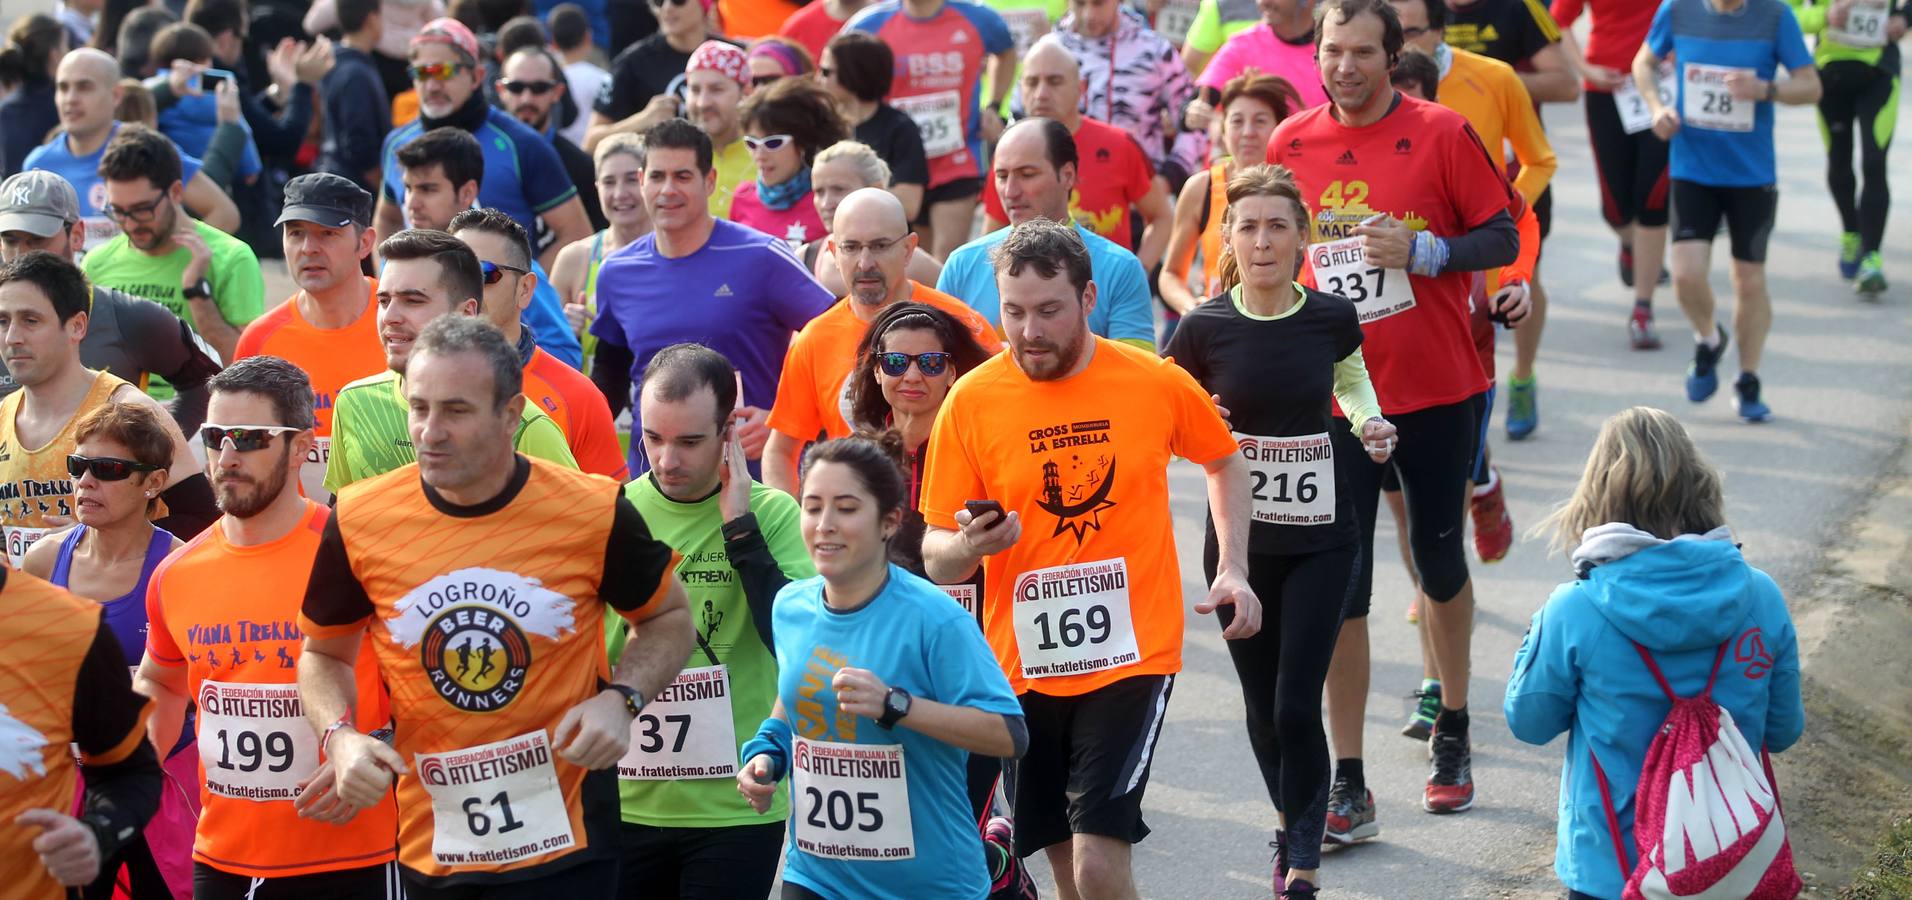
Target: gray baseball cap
(37, 202)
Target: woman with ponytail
(1276, 354)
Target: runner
(1036, 167)
(329, 329)
(1722, 165)
(641, 91)
(698, 278)
(1303, 545)
(1859, 60)
(1281, 45)
(886, 690)
(716, 81)
(424, 271)
(1084, 615)
(860, 70)
(872, 251)
(816, 23)
(941, 47)
(561, 392)
(43, 312)
(1215, 22)
(1410, 281)
(1133, 79)
(507, 565)
(691, 835)
(65, 680)
(786, 124)
(263, 833)
(843, 168)
(619, 187)
(125, 335)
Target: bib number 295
(1074, 626)
(839, 811)
(478, 814)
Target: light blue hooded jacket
(1577, 671)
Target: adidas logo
(723, 290)
(1345, 159)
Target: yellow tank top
(36, 494)
(1212, 229)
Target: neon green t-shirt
(1028, 20)
(238, 285)
(1217, 21)
(726, 636)
(371, 435)
(734, 166)
(1812, 20)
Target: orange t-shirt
(331, 357)
(580, 411)
(241, 652)
(1092, 593)
(813, 395)
(53, 651)
(488, 625)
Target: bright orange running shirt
(1084, 462)
(241, 650)
(580, 411)
(813, 396)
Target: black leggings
(1631, 167)
(1433, 459)
(699, 863)
(1867, 95)
(1282, 669)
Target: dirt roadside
(1849, 779)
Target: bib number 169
(1074, 626)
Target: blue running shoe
(1701, 378)
(1523, 409)
(1746, 399)
(1849, 253)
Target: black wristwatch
(200, 291)
(896, 705)
(633, 701)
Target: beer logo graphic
(476, 657)
(432, 771)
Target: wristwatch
(1772, 91)
(200, 291)
(896, 705)
(633, 701)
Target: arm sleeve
(190, 506)
(1205, 33)
(909, 164)
(1546, 681)
(996, 35)
(1222, 67)
(166, 346)
(109, 719)
(335, 599)
(1354, 392)
(1540, 28)
(238, 285)
(963, 670)
(1186, 350)
(757, 572)
(1811, 16)
(1131, 318)
(224, 153)
(637, 566)
(1200, 435)
(1566, 12)
(1531, 147)
(617, 99)
(799, 297)
(1785, 710)
(356, 125)
(611, 372)
(160, 646)
(1522, 268)
(1494, 244)
(1659, 35)
(281, 134)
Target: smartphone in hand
(978, 507)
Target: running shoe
(1450, 784)
(1350, 817)
(1640, 329)
(1746, 399)
(1280, 846)
(1701, 378)
(1420, 723)
(1012, 882)
(1300, 890)
(1493, 527)
(1523, 408)
(1849, 253)
(1871, 275)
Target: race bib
(1292, 478)
(686, 731)
(1635, 115)
(1707, 103)
(312, 472)
(963, 594)
(99, 230)
(254, 741)
(1865, 25)
(1025, 26)
(1341, 267)
(938, 118)
(19, 540)
(1175, 19)
(495, 803)
(1074, 619)
(852, 800)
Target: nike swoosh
(1740, 882)
(1443, 535)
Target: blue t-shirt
(83, 173)
(913, 636)
(1122, 311)
(549, 328)
(523, 176)
(1762, 36)
(742, 294)
(191, 121)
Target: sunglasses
(105, 468)
(495, 272)
(537, 88)
(930, 364)
(443, 71)
(243, 438)
(660, 4)
(773, 142)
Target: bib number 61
(479, 820)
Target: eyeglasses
(895, 364)
(243, 438)
(495, 272)
(443, 71)
(537, 88)
(105, 468)
(854, 249)
(142, 212)
(773, 142)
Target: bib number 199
(1074, 626)
(479, 820)
(253, 751)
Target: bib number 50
(1074, 626)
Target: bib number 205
(839, 811)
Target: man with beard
(1040, 431)
(527, 178)
(206, 277)
(43, 315)
(531, 85)
(270, 826)
(716, 80)
(872, 244)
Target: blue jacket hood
(1676, 595)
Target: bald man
(872, 244)
(87, 88)
(1116, 177)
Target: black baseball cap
(330, 200)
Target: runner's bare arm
(1180, 255)
(951, 556)
(185, 465)
(204, 197)
(568, 225)
(1156, 217)
(387, 219)
(1552, 80)
(1228, 494)
(363, 765)
(166, 686)
(780, 454)
(595, 733)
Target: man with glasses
(572, 401)
(427, 274)
(128, 336)
(206, 277)
(872, 244)
(531, 87)
(641, 90)
(527, 178)
(329, 328)
(43, 316)
(261, 831)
